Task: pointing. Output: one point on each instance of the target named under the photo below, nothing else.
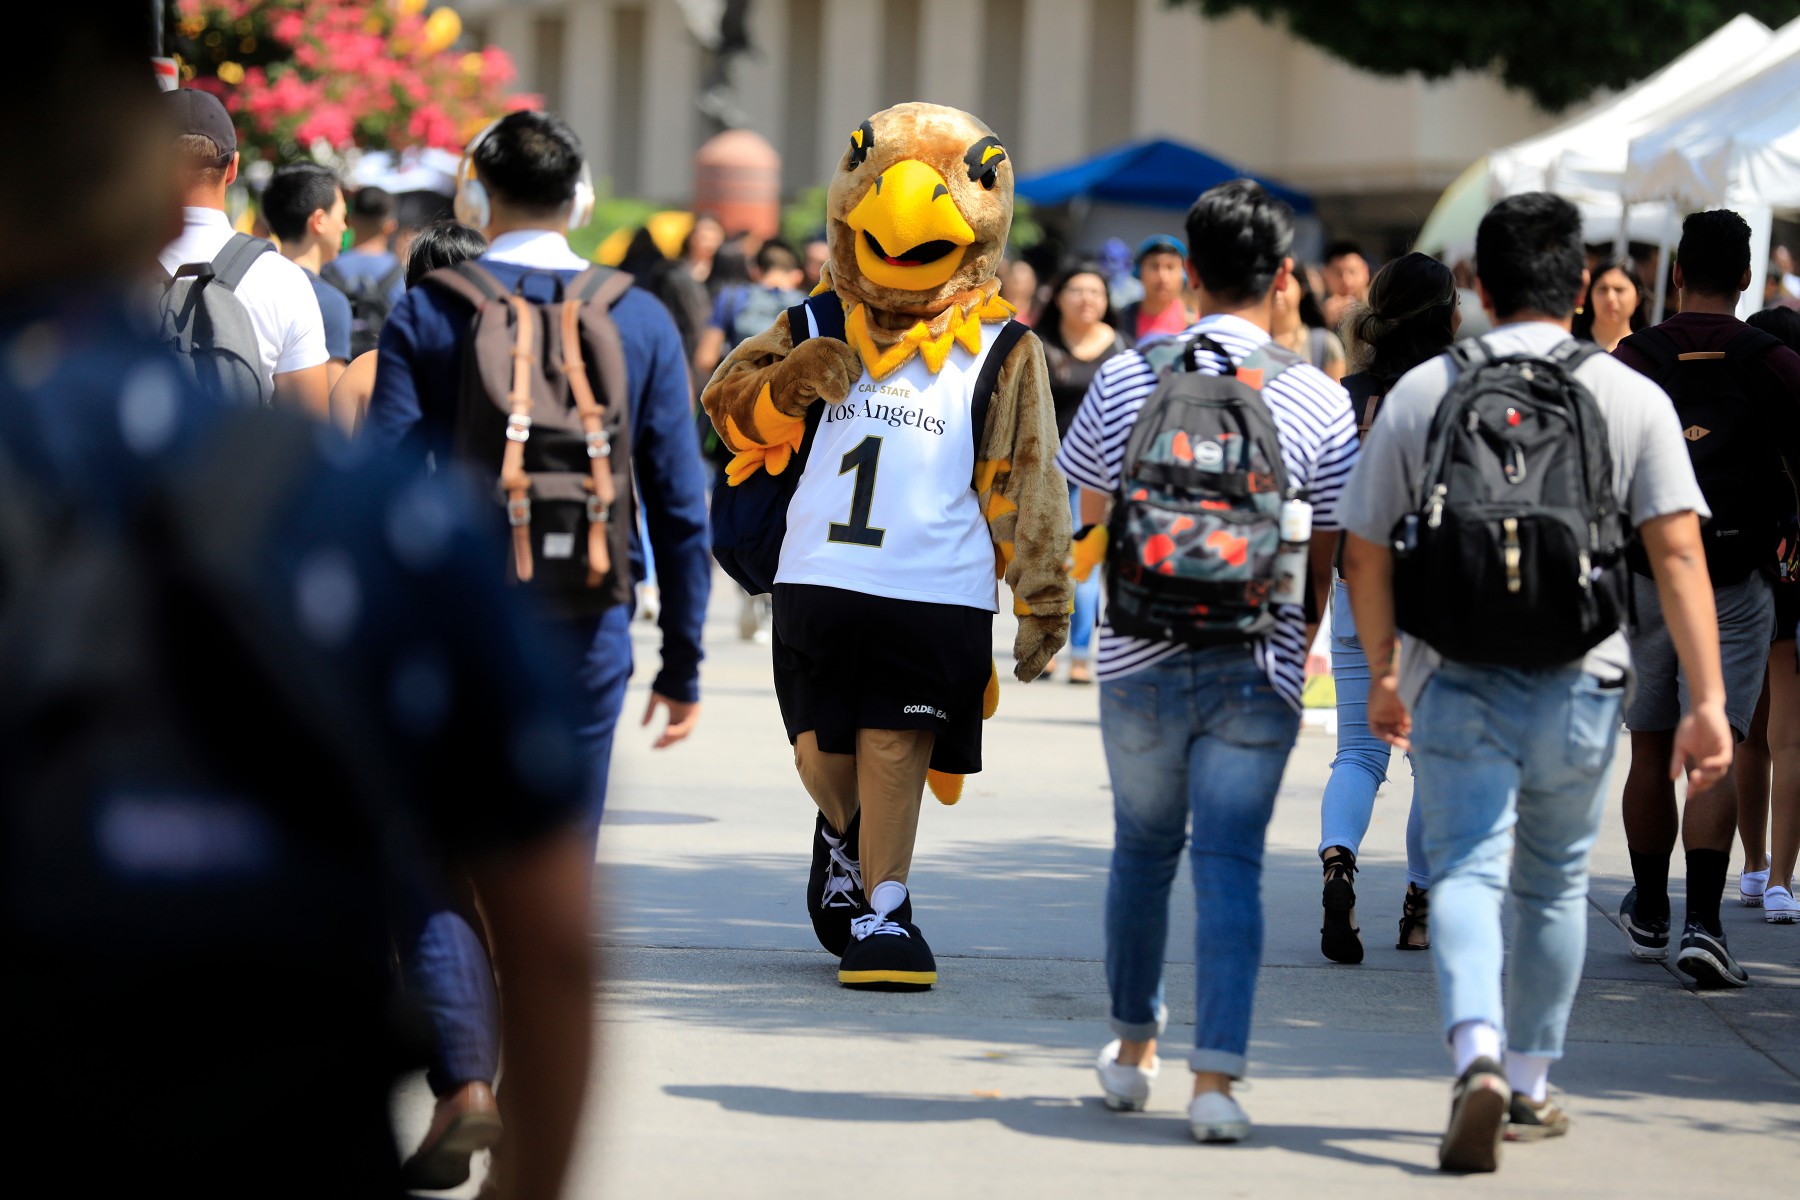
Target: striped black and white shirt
(1318, 446)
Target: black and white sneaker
(834, 891)
(887, 954)
(1706, 961)
(1648, 940)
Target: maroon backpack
(541, 405)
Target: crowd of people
(193, 589)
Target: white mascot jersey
(885, 505)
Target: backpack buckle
(518, 511)
(518, 427)
(597, 513)
(599, 445)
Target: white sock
(1529, 1074)
(888, 895)
(1471, 1040)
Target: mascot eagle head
(918, 211)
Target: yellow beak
(909, 234)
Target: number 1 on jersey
(864, 460)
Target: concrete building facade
(1057, 79)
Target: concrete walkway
(733, 1065)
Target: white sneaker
(1216, 1117)
(1751, 886)
(1780, 907)
(1125, 1089)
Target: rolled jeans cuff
(1142, 1031)
(1221, 1062)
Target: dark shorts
(1746, 614)
(846, 661)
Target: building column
(1167, 76)
(671, 122)
(849, 78)
(950, 53)
(587, 81)
(514, 30)
(1057, 90)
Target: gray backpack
(208, 328)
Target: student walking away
(1734, 389)
(242, 716)
(1162, 312)
(219, 281)
(1412, 314)
(1079, 331)
(369, 273)
(304, 206)
(744, 310)
(1769, 801)
(1218, 470)
(443, 244)
(1346, 281)
(608, 411)
(1487, 520)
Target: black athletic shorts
(846, 661)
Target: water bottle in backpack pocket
(1196, 548)
(1515, 556)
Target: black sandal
(1339, 939)
(1415, 917)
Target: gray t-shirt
(1651, 470)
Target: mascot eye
(861, 142)
(983, 160)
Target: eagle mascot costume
(908, 420)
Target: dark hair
(1781, 321)
(687, 239)
(531, 160)
(443, 244)
(1237, 235)
(642, 254)
(1409, 317)
(1714, 252)
(1583, 325)
(1529, 256)
(1342, 248)
(776, 255)
(294, 194)
(372, 204)
(1310, 312)
(1049, 324)
(731, 266)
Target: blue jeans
(1087, 595)
(447, 966)
(1204, 737)
(1362, 758)
(1512, 768)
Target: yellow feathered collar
(884, 351)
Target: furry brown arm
(1026, 502)
(758, 397)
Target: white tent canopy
(1740, 149)
(1584, 159)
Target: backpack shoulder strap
(232, 262)
(1656, 346)
(396, 275)
(1750, 344)
(1005, 338)
(467, 282)
(602, 284)
(334, 275)
(1264, 364)
(1572, 354)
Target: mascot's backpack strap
(989, 379)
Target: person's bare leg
(1211, 1081)
(1784, 748)
(1652, 822)
(1752, 771)
(1131, 1053)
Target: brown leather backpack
(528, 410)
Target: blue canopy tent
(1142, 188)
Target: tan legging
(887, 776)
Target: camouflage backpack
(1196, 523)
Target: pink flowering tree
(370, 74)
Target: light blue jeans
(1512, 768)
(1361, 765)
(1200, 737)
(1087, 595)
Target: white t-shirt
(276, 293)
(886, 504)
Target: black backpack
(1516, 555)
(1196, 523)
(749, 521)
(208, 328)
(370, 300)
(1732, 449)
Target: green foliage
(1558, 53)
(804, 217)
(1026, 232)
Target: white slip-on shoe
(1216, 1117)
(1751, 886)
(1779, 906)
(1124, 1089)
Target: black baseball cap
(199, 112)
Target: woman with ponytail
(1411, 315)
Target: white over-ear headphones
(471, 203)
